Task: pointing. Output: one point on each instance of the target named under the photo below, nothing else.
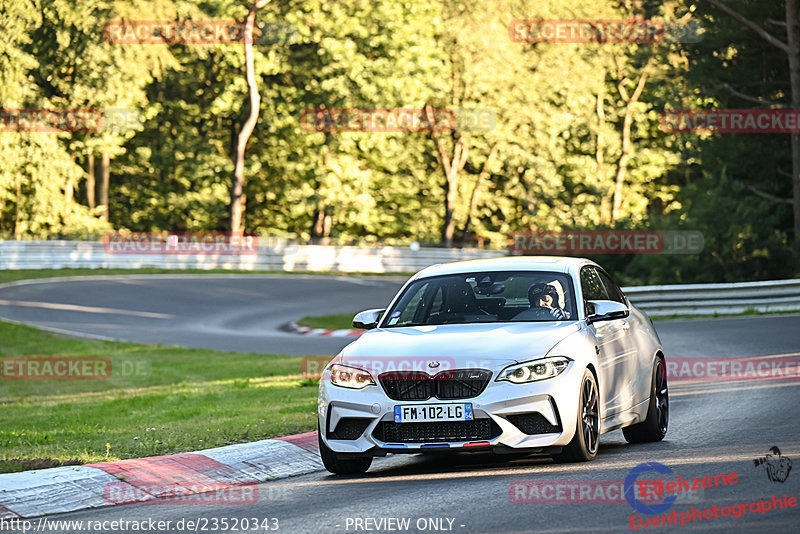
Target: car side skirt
(631, 416)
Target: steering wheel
(537, 312)
(540, 312)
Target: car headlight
(350, 377)
(543, 369)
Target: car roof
(505, 263)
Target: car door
(613, 360)
(630, 348)
(638, 364)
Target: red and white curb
(307, 331)
(172, 477)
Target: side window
(413, 306)
(592, 286)
(614, 292)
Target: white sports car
(518, 354)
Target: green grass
(190, 399)
(27, 274)
(329, 322)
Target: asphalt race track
(240, 313)
(716, 427)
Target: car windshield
(483, 297)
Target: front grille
(533, 423)
(410, 385)
(479, 429)
(448, 385)
(349, 428)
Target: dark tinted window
(593, 288)
(614, 292)
(484, 297)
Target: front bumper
(506, 417)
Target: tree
(237, 202)
(346, 185)
(791, 47)
(630, 101)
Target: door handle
(626, 325)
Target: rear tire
(584, 444)
(337, 465)
(655, 425)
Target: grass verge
(329, 322)
(157, 400)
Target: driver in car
(546, 296)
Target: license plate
(415, 413)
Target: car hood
(454, 346)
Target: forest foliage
(554, 157)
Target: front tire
(337, 465)
(584, 444)
(654, 427)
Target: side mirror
(606, 310)
(368, 319)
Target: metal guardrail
(271, 255)
(690, 299)
(710, 299)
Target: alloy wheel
(590, 416)
(662, 396)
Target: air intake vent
(349, 428)
(533, 423)
(445, 431)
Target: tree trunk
(105, 172)
(473, 200)
(318, 225)
(451, 167)
(236, 208)
(69, 195)
(327, 224)
(622, 164)
(90, 183)
(451, 192)
(598, 151)
(321, 226)
(18, 209)
(793, 40)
